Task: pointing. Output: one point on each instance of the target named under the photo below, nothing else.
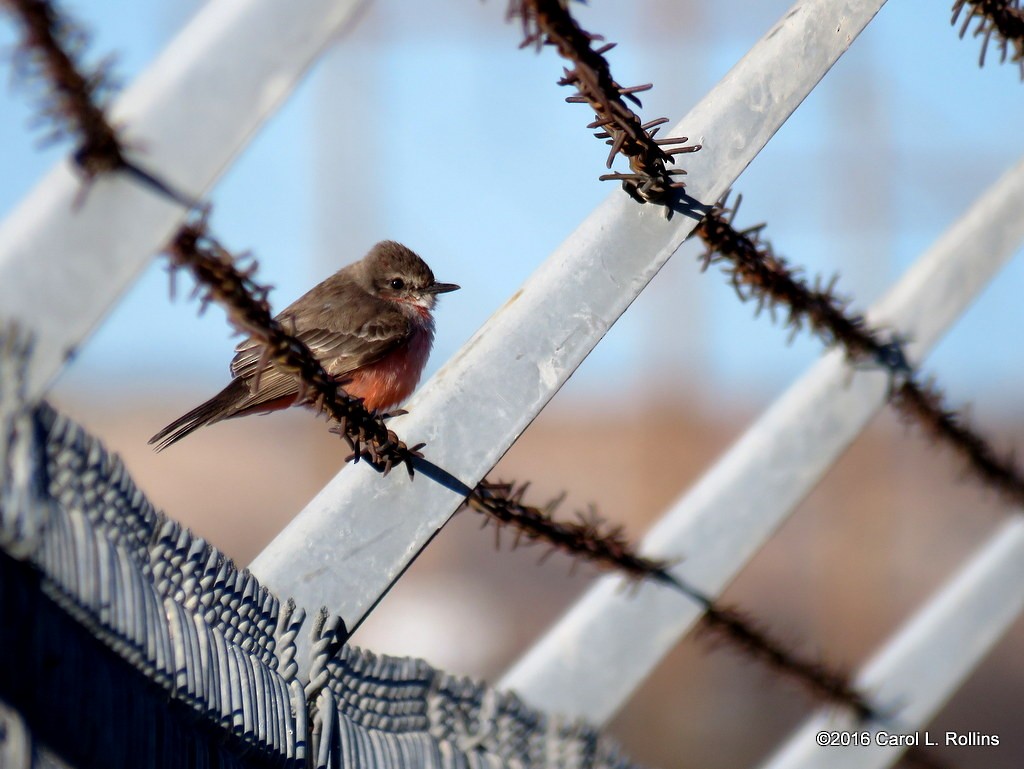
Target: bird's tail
(223, 405)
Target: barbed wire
(588, 537)
(76, 97)
(548, 22)
(727, 624)
(999, 19)
(756, 272)
(920, 402)
(823, 680)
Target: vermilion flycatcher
(369, 325)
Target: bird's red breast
(390, 380)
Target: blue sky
(458, 144)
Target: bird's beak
(441, 288)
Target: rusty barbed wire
(219, 278)
(822, 680)
(826, 682)
(723, 623)
(921, 403)
(366, 432)
(999, 19)
(77, 98)
(650, 179)
(588, 537)
(756, 272)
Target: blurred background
(426, 124)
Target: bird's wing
(339, 349)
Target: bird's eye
(397, 283)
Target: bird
(369, 324)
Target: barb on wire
(650, 178)
(586, 538)
(999, 19)
(77, 98)
(758, 273)
(825, 682)
(922, 404)
(52, 47)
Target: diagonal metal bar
(924, 663)
(360, 532)
(61, 265)
(589, 663)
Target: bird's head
(393, 272)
